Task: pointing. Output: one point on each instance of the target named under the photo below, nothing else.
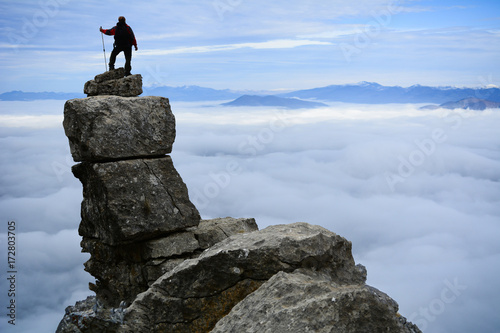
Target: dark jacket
(121, 43)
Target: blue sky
(55, 45)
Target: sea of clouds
(417, 192)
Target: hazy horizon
(278, 90)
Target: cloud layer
(427, 238)
(435, 228)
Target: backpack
(122, 36)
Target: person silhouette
(124, 40)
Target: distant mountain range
(374, 93)
(269, 100)
(466, 103)
(363, 92)
(185, 93)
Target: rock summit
(159, 267)
(114, 82)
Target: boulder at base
(286, 278)
(307, 301)
(196, 294)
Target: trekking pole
(104, 50)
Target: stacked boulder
(160, 268)
(114, 82)
(137, 219)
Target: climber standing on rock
(124, 39)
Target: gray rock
(201, 237)
(159, 268)
(174, 245)
(133, 200)
(197, 293)
(207, 234)
(119, 271)
(287, 278)
(108, 128)
(123, 271)
(210, 232)
(113, 74)
(90, 316)
(306, 301)
(114, 83)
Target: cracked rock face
(133, 200)
(108, 128)
(123, 271)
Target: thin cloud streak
(274, 44)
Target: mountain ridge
(470, 103)
(271, 100)
(374, 93)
